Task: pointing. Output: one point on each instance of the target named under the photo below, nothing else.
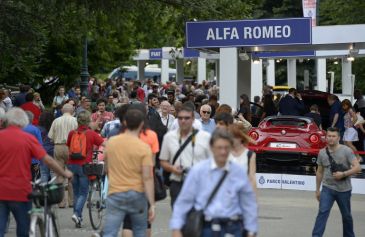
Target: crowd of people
(181, 129)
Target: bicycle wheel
(53, 226)
(36, 227)
(95, 205)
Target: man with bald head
(166, 118)
(58, 133)
(208, 124)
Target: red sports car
(287, 139)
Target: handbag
(160, 189)
(195, 218)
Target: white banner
(298, 182)
(358, 186)
(268, 180)
(309, 10)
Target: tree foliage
(41, 39)
(342, 12)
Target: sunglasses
(183, 118)
(206, 112)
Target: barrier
(302, 150)
(299, 182)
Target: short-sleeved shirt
(36, 132)
(58, 100)
(196, 124)
(110, 126)
(209, 126)
(342, 155)
(150, 138)
(16, 151)
(34, 109)
(125, 156)
(102, 117)
(61, 127)
(92, 139)
(189, 156)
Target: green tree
(342, 12)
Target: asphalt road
(282, 213)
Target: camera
(184, 174)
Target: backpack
(78, 146)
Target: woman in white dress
(241, 154)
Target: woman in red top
(80, 182)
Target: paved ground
(282, 213)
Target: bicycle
(43, 221)
(97, 190)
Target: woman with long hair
(244, 110)
(269, 107)
(59, 100)
(60, 97)
(350, 119)
(38, 101)
(240, 152)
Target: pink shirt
(102, 118)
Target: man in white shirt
(58, 133)
(196, 150)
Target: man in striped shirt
(58, 133)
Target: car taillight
(314, 138)
(254, 136)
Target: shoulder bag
(333, 165)
(195, 218)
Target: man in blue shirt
(291, 104)
(114, 127)
(208, 124)
(36, 132)
(234, 201)
(336, 114)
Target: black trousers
(175, 188)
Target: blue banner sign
(155, 53)
(216, 34)
(293, 54)
(191, 53)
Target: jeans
(80, 185)
(343, 199)
(231, 229)
(20, 212)
(118, 205)
(45, 173)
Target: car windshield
(287, 122)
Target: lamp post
(84, 75)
